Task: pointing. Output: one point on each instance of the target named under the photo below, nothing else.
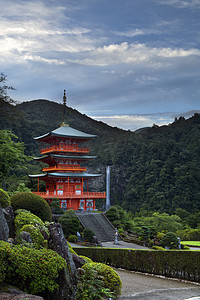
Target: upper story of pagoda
(65, 140)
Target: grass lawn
(191, 243)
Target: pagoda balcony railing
(88, 195)
(64, 148)
(64, 168)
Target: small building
(64, 150)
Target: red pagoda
(64, 149)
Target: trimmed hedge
(173, 263)
(33, 203)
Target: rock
(79, 261)
(25, 236)
(9, 215)
(8, 292)
(11, 241)
(4, 229)
(58, 243)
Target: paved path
(123, 244)
(139, 286)
(147, 287)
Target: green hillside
(157, 169)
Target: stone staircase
(104, 230)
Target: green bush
(160, 235)
(72, 238)
(88, 235)
(110, 278)
(185, 247)
(55, 206)
(25, 217)
(158, 248)
(4, 199)
(113, 214)
(31, 270)
(189, 234)
(70, 226)
(33, 203)
(170, 240)
(150, 243)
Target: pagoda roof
(79, 157)
(71, 175)
(66, 131)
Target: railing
(64, 168)
(89, 195)
(65, 148)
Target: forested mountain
(155, 169)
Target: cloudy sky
(129, 63)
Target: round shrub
(72, 238)
(110, 278)
(170, 240)
(70, 226)
(33, 203)
(4, 199)
(88, 235)
(24, 217)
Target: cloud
(133, 122)
(193, 4)
(133, 53)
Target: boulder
(4, 229)
(25, 236)
(8, 292)
(9, 215)
(58, 243)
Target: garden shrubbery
(33, 203)
(31, 270)
(4, 199)
(170, 240)
(88, 235)
(70, 223)
(97, 281)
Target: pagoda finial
(64, 109)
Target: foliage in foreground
(96, 281)
(29, 269)
(33, 203)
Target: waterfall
(108, 187)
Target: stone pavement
(123, 244)
(148, 287)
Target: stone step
(103, 229)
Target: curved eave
(79, 157)
(65, 175)
(66, 131)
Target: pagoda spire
(64, 109)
